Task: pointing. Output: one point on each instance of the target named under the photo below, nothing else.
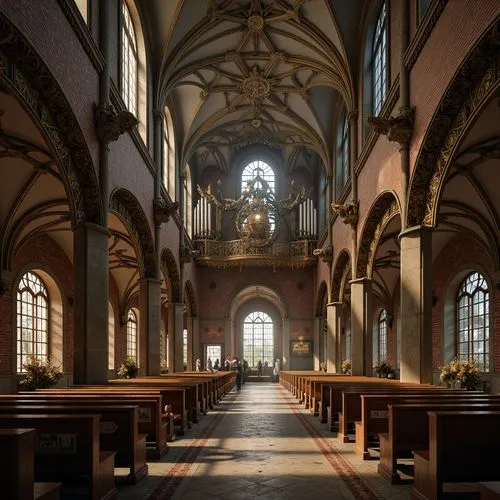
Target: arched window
(111, 337)
(382, 337)
(258, 339)
(188, 201)
(32, 320)
(168, 156)
(262, 173)
(342, 152)
(185, 346)
(473, 321)
(129, 80)
(132, 334)
(379, 60)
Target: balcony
(240, 253)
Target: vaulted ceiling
(239, 72)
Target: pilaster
(334, 326)
(361, 326)
(149, 328)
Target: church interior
(241, 240)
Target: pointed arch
(383, 209)
(171, 272)
(34, 86)
(322, 300)
(341, 272)
(190, 299)
(126, 206)
(477, 80)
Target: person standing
(276, 371)
(245, 370)
(216, 365)
(259, 368)
(209, 365)
(198, 365)
(239, 376)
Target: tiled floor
(259, 444)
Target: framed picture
(301, 348)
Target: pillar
(195, 349)
(149, 327)
(316, 334)
(334, 329)
(361, 326)
(227, 338)
(90, 318)
(285, 365)
(176, 328)
(416, 305)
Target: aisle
(259, 445)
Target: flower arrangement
(466, 372)
(40, 374)
(322, 367)
(384, 369)
(163, 366)
(346, 367)
(128, 368)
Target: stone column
(361, 326)
(416, 305)
(317, 333)
(149, 327)
(285, 365)
(227, 337)
(176, 339)
(334, 325)
(91, 259)
(195, 325)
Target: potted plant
(39, 374)
(128, 368)
(384, 369)
(346, 367)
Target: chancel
(249, 249)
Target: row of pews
(66, 443)
(453, 436)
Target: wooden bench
(150, 418)
(17, 463)
(374, 414)
(67, 451)
(463, 447)
(490, 490)
(408, 430)
(118, 431)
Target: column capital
(92, 226)
(360, 281)
(155, 281)
(352, 115)
(334, 304)
(158, 114)
(408, 231)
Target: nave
(261, 444)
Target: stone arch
(477, 80)
(340, 272)
(27, 77)
(126, 206)
(267, 292)
(171, 272)
(190, 298)
(383, 209)
(321, 300)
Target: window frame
(123, 31)
(462, 291)
(343, 153)
(383, 338)
(261, 318)
(135, 322)
(19, 353)
(379, 39)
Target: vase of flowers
(128, 368)
(346, 367)
(39, 374)
(466, 373)
(384, 369)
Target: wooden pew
(408, 429)
(490, 490)
(17, 463)
(150, 419)
(463, 447)
(374, 413)
(118, 431)
(67, 451)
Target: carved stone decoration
(255, 86)
(162, 210)
(255, 23)
(325, 254)
(383, 210)
(110, 124)
(170, 270)
(29, 79)
(348, 212)
(477, 79)
(187, 254)
(127, 208)
(397, 128)
(340, 272)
